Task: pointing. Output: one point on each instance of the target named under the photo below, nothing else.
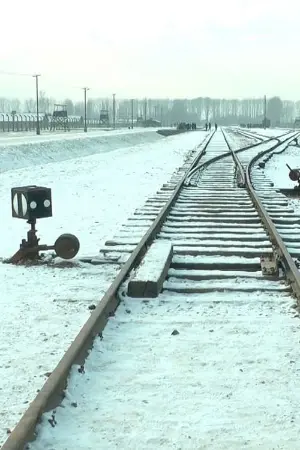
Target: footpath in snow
(44, 307)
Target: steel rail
(52, 392)
(249, 135)
(231, 153)
(261, 136)
(291, 271)
(241, 170)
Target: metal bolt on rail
(31, 203)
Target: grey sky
(161, 48)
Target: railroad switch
(294, 175)
(32, 203)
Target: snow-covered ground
(227, 380)
(213, 370)
(43, 308)
(277, 171)
(92, 197)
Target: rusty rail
(51, 394)
(291, 271)
(233, 153)
(240, 168)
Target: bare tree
(15, 104)
(3, 104)
(207, 107)
(43, 102)
(70, 106)
(30, 105)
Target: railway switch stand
(31, 203)
(294, 175)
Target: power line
(2, 72)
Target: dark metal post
(85, 127)
(38, 131)
(265, 112)
(145, 110)
(114, 111)
(132, 113)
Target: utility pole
(38, 131)
(265, 111)
(114, 111)
(84, 90)
(132, 113)
(145, 110)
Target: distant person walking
(209, 126)
(206, 126)
(216, 126)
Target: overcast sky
(159, 48)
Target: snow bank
(16, 153)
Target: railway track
(209, 344)
(256, 136)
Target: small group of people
(208, 126)
(186, 126)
